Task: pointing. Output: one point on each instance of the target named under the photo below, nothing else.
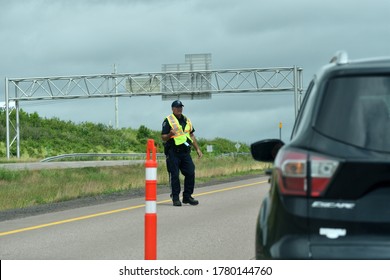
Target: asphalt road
(221, 227)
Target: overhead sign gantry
(173, 84)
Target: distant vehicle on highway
(330, 185)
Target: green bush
(42, 137)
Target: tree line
(44, 137)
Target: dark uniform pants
(179, 160)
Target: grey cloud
(50, 38)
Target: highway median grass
(26, 188)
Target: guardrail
(130, 155)
(75, 155)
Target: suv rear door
(351, 218)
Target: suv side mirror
(266, 150)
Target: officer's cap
(177, 103)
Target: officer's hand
(199, 152)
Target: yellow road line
(115, 211)
(70, 220)
(231, 188)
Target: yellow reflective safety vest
(180, 136)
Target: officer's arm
(195, 143)
(167, 131)
(166, 137)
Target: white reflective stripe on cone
(151, 173)
(150, 207)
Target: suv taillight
(297, 171)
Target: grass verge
(21, 189)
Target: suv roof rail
(340, 57)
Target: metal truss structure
(178, 84)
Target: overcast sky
(64, 37)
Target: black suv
(330, 185)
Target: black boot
(190, 200)
(176, 201)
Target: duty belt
(181, 148)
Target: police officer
(178, 137)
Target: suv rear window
(355, 110)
